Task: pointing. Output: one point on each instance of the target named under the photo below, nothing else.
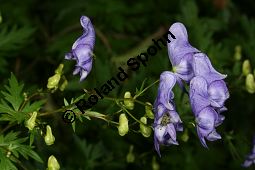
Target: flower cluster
(208, 92)
(82, 49)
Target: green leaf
(13, 94)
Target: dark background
(41, 32)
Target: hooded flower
(203, 67)
(180, 52)
(207, 102)
(250, 159)
(82, 49)
(167, 120)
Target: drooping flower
(167, 120)
(207, 102)
(180, 52)
(250, 159)
(82, 49)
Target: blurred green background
(35, 35)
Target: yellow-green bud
(1, 18)
(128, 101)
(148, 110)
(53, 81)
(185, 136)
(130, 155)
(155, 165)
(49, 138)
(59, 69)
(30, 123)
(63, 85)
(123, 125)
(145, 130)
(53, 163)
(238, 53)
(246, 67)
(250, 83)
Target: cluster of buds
(57, 80)
(249, 81)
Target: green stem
(137, 95)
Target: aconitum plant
(190, 78)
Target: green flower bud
(148, 110)
(155, 165)
(1, 18)
(250, 83)
(63, 85)
(30, 123)
(53, 163)
(49, 138)
(246, 67)
(145, 130)
(123, 125)
(185, 136)
(128, 101)
(53, 81)
(238, 53)
(59, 69)
(130, 155)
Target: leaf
(13, 94)
(15, 145)
(14, 38)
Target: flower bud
(155, 165)
(49, 138)
(128, 101)
(185, 136)
(238, 53)
(148, 110)
(59, 69)
(53, 81)
(1, 18)
(63, 85)
(145, 130)
(246, 67)
(250, 84)
(123, 125)
(130, 155)
(53, 163)
(30, 123)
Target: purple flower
(207, 102)
(181, 53)
(82, 49)
(167, 120)
(203, 67)
(250, 159)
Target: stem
(137, 95)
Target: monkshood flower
(250, 159)
(180, 52)
(207, 102)
(167, 120)
(202, 67)
(82, 49)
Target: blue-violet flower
(82, 49)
